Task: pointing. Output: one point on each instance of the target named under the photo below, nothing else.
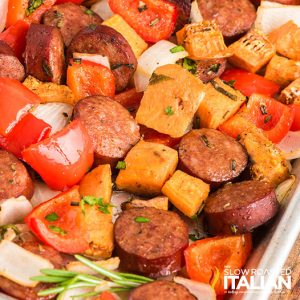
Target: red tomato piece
(59, 224)
(249, 83)
(29, 130)
(62, 159)
(15, 101)
(296, 123)
(16, 11)
(153, 20)
(36, 16)
(130, 99)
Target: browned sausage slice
(240, 207)
(111, 127)
(70, 19)
(161, 290)
(44, 53)
(14, 178)
(233, 17)
(209, 69)
(110, 43)
(212, 156)
(150, 241)
(184, 12)
(5, 49)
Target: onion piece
(19, 265)
(56, 114)
(14, 209)
(5, 297)
(96, 58)
(116, 200)
(272, 15)
(201, 291)
(42, 193)
(284, 188)
(3, 13)
(157, 55)
(195, 16)
(290, 145)
(102, 9)
(69, 294)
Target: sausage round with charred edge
(14, 178)
(150, 241)
(161, 290)
(240, 207)
(209, 69)
(70, 18)
(212, 156)
(44, 53)
(108, 42)
(184, 12)
(233, 17)
(112, 129)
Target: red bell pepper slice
(153, 20)
(15, 101)
(249, 83)
(296, 123)
(29, 130)
(60, 224)
(270, 115)
(62, 159)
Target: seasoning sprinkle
(238, 138)
(214, 68)
(46, 68)
(157, 78)
(154, 22)
(169, 111)
(233, 229)
(74, 203)
(33, 5)
(263, 109)
(141, 220)
(177, 49)
(267, 119)
(223, 91)
(230, 83)
(206, 141)
(52, 217)
(89, 12)
(91, 200)
(57, 230)
(116, 66)
(121, 165)
(142, 7)
(233, 165)
(189, 65)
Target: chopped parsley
(206, 141)
(234, 229)
(154, 22)
(141, 220)
(52, 217)
(116, 66)
(33, 5)
(46, 68)
(267, 119)
(89, 12)
(156, 78)
(177, 49)
(230, 83)
(189, 65)
(221, 90)
(214, 68)
(169, 111)
(57, 230)
(4, 229)
(121, 165)
(263, 109)
(91, 200)
(196, 236)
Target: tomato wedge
(60, 224)
(296, 123)
(62, 159)
(15, 101)
(249, 83)
(270, 115)
(16, 11)
(153, 20)
(206, 259)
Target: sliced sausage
(5, 49)
(240, 207)
(44, 53)
(110, 43)
(111, 127)
(209, 69)
(70, 19)
(212, 156)
(161, 290)
(184, 12)
(150, 241)
(25, 293)
(233, 17)
(14, 178)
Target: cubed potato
(221, 102)
(268, 163)
(252, 51)
(50, 92)
(291, 94)
(186, 193)
(138, 45)
(159, 202)
(171, 101)
(97, 183)
(274, 35)
(148, 167)
(282, 70)
(203, 41)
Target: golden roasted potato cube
(148, 166)
(282, 70)
(137, 44)
(252, 51)
(159, 202)
(275, 34)
(268, 163)
(187, 193)
(170, 101)
(221, 102)
(291, 94)
(203, 41)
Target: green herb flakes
(52, 217)
(157, 78)
(32, 6)
(214, 68)
(263, 109)
(267, 119)
(89, 12)
(206, 141)
(169, 111)
(177, 49)
(141, 220)
(154, 22)
(121, 165)
(221, 90)
(189, 65)
(234, 229)
(91, 200)
(46, 68)
(57, 230)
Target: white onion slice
(290, 145)
(69, 294)
(102, 9)
(201, 291)
(42, 193)
(272, 15)
(96, 58)
(55, 114)
(3, 13)
(116, 200)
(14, 209)
(19, 265)
(157, 55)
(195, 16)
(284, 188)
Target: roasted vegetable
(291, 94)
(159, 202)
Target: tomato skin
(70, 220)
(62, 159)
(296, 123)
(155, 23)
(36, 16)
(16, 11)
(249, 83)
